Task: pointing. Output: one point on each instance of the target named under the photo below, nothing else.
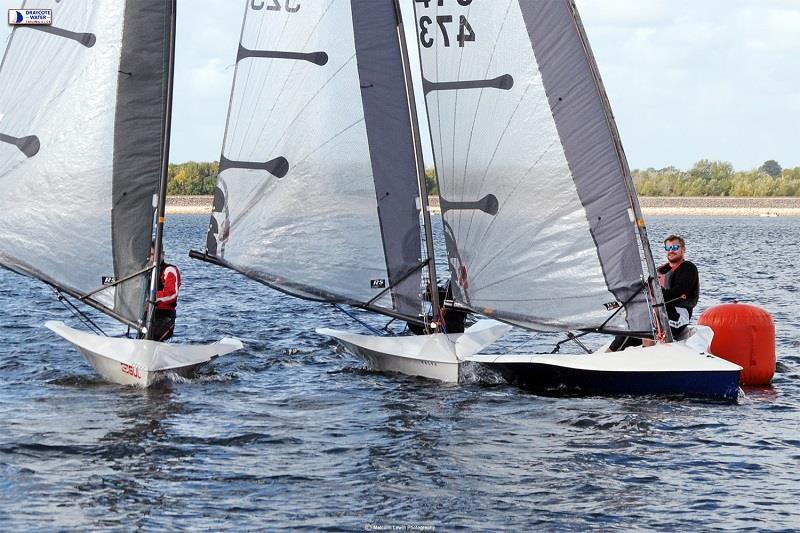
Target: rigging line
(623, 306)
(572, 337)
(485, 242)
(475, 116)
(80, 315)
(118, 282)
(289, 76)
(252, 67)
(355, 318)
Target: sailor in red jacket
(169, 284)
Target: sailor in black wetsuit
(680, 284)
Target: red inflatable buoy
(743, 334)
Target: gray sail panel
(309, 226)
(583, 121)
(520, 242)
(138, 144)
(386, 116)
(57, 200)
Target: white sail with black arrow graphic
(317, 192)
(541, 219)
(321, 174)
(536, 197)
(83, 105)
(84, 143)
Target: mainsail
(83, 105)
(317, 193)
(536, 196)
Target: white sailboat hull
(140, 362)
(681, 368)
(436, 356)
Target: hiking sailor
(169, 284)
(680, 284)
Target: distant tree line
(717, 178)
(705, 178)
(192, 178)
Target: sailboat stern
(141, 362)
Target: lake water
(291, 434)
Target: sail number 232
(427, 32)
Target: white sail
(317, 190)
(533, 187)
(83, 104)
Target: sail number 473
(427, 33)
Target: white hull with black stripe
(682, 368)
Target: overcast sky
(687, 79)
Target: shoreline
(651, 206)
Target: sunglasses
(672, 247)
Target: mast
(423, 186)
(162, 191)
(660, 312)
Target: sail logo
(108, 280)
(22, 17)
(377, 284)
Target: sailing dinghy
(542, 222)
(321, 179)
(84, 146)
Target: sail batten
(319, 94)
(534, 198)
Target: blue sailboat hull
(722, 385)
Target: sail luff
(162, 190)
(421, 179)
(652, 281)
